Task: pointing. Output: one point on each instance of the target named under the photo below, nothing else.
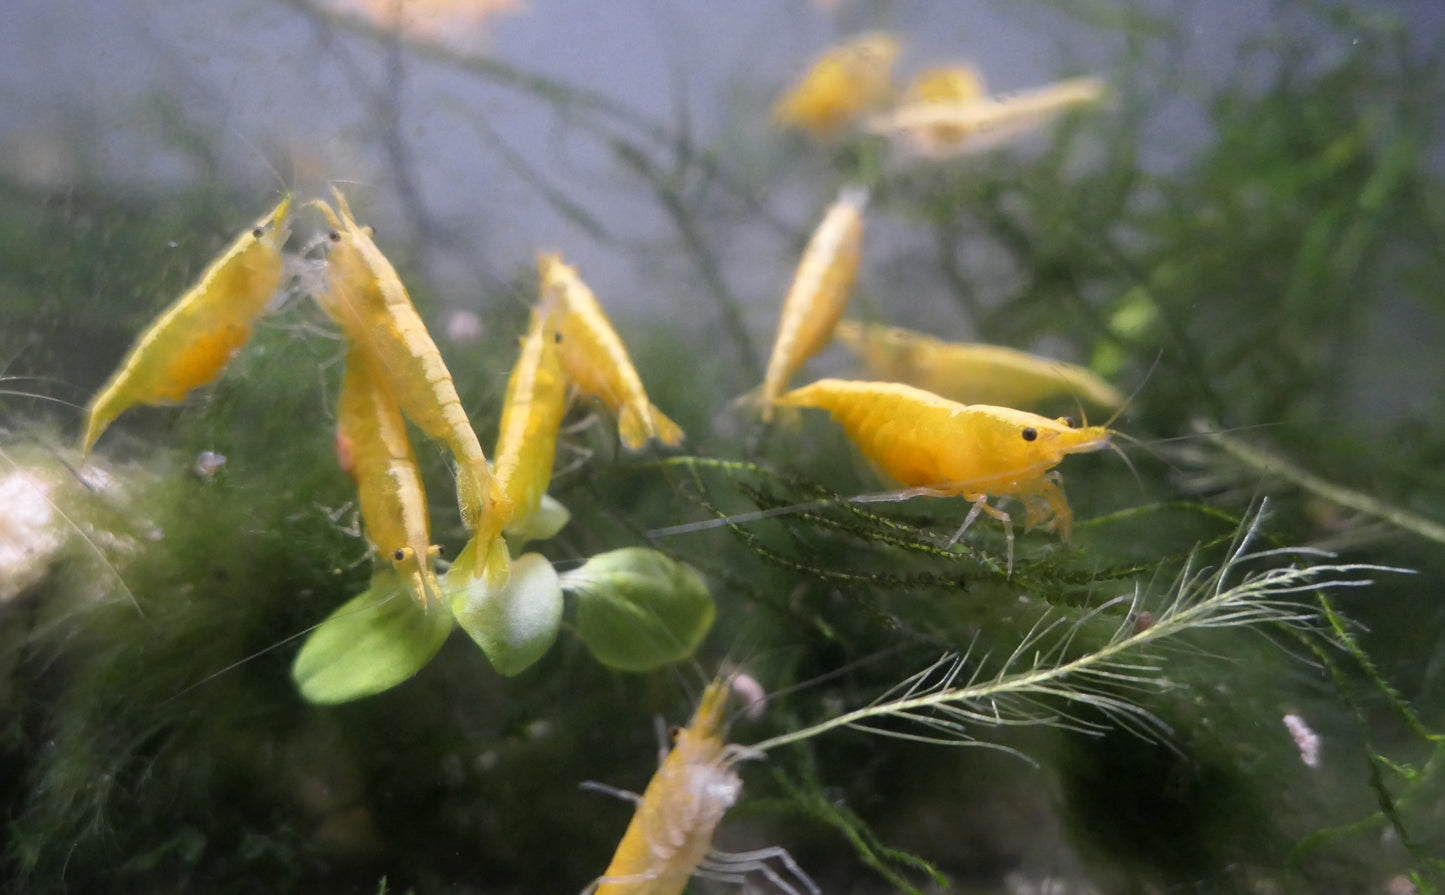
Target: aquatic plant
(1200, 694)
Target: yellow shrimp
(971, 373)
(368, 301)
(945, 448)
(841, 85)
(956, 84)
(670, 836)
(818, 295)
(193, 340)
(596, 360)
(375, 451)
(532, 412)
(948, 127)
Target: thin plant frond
(1041, 682)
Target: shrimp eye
(673, 733)
(400, 554)
(259, 232)
(1030, 433)
(1067, 421)
(441, 551)
(334, 236)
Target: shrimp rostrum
(670, 837)
(940, 447)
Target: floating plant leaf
(373, 642)
(515, 623)
(540, 524)
(637, 609)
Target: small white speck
(1305, 739)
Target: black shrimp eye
(673, 733)
(334, 236)
(400, 554)
(441, 550)
(1030, 433)
(259, 232)
(1067, 421)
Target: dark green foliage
(153, 740)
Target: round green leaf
(637, 609)
(373, 642)
(516, 623)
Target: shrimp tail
(636, 425)
(101, 413)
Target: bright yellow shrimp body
(971, 373)
(193, 340)
(818, 295)
(841, 85)
(375, 450)
(670, 836)
(971, 450)
(368, 301)
(532, 412)
(596, 360)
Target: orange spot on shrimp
(192, 340)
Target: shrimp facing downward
(949, 449)
(375, 451)
(193, 340)
(596, 360)
(819, 293)
(670, 837)
(367, 300)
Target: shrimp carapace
(192, 340)
(532, 412)
(595, 359)
(941, 447)
(367, 300)
(818, 295)
(670, 836)
(841, 85)
(971, 373)
(375, 451)
(940, 128)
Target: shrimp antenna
(278, 644)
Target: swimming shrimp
(596, 360)
(670, 837)
(818, 295)
(949, 127)
(367, 300)
(841, 85)
(971, 373)
(532, 412)
(375, 451)
(192, 341)
(944, 448)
